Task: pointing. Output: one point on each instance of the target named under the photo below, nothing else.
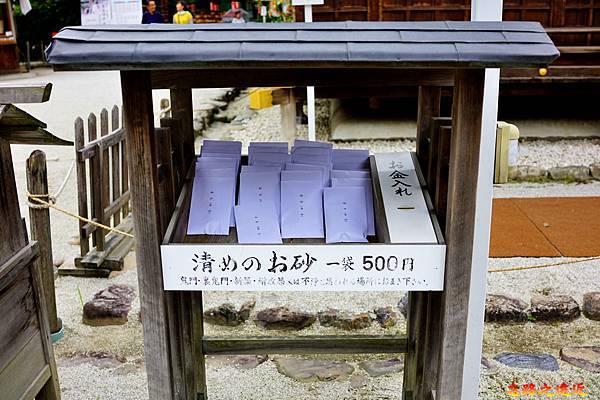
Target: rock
(241, 362)
(58, 262)
(74, 241)
(403, 305)
(109, 306)
(591, 305)
(573, 172)
(586, 357)
(283, 318)
(386, 317)
(344, 320)
(544, 362)
(313, 370)
(98, 359)
(554, 308)
(527, 173)
(595, 170)
(377, 368)
(500, 308)
(487, 367)
(227, 315)
(358, 381)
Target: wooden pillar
(429, 107)
(430, 98)
(139, 127)
(37, 184)
(181, 106)
(460, 226)
(288, 116)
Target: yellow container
(507, 150)
(261, 98)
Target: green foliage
(45, 17)
(277, 10)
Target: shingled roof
(391, 44)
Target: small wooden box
(407, 253)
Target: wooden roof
(19, 127)
(339, 44)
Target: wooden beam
(139, 128)
(28, 93)
(305, 345)
(12, 233)
(428, 108)
(181, 108)
(171, 79)
(37, 184)
(429, 102)
(460, 226)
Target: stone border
(572, 173)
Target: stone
(58, 262)
(500, 308)
(227, 315)
(344, 320)
(586, 357)
(98, 359)
(109, 306)
(573, 172)
(544, 362)
(528, 173)
(241, 362)
(386, 317)
(487, 367)
(554, 308)
(74, 241)
(377, 368)
(591, 305)
(403, 305)
(595, 170)
(314, 370)
(283, 318)
(358, 381)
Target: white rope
(51, 198)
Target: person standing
(237, 18)
(152, 16)
(182, 16)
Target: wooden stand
(448, 156)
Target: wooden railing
(103, 188)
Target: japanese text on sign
(303, 268)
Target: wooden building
(9, 52)
(430, 55)
(573, 25)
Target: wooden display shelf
(408, 244)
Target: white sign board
(406, 211)
(363, 267)
(308, 2)
(102, 12)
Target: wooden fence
(103, 193)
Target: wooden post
(429, 108)
(181, 104)
(82, 194)
(105, 164)
(96, 185)
(430, 98)
(288, 116)
(115, 164)
(460, 226)
(139, 126)
(37, 184)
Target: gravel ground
(89, 380)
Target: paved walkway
(546, 227)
